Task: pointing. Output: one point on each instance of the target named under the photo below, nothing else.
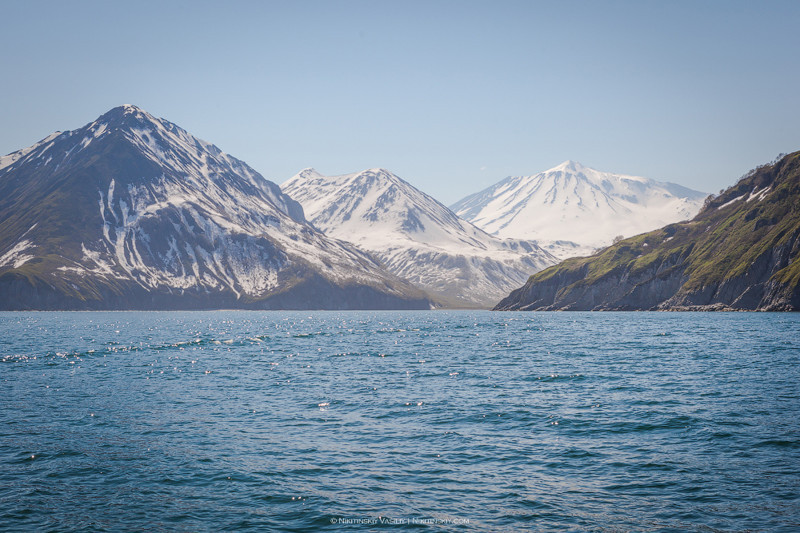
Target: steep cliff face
(740, 252)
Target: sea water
(442, 421)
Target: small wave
(558, 377)
(576, 453)
(679, 422)
(779, 443)
(309, 335)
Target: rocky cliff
(739, 253)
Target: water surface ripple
(445, 421)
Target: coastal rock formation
(739, 253)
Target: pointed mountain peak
(569, 166)
(414, 235)
(122, 111)
(307, 173)
(128, 115)
(169, 220)
(129, 108)
(571, 202)
(379, 170)
(380, 175)
(372, 173)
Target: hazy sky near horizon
(452, 96)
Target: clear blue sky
(450, 95)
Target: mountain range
(133, 212)
(572, 210)
(739, 253)
(416, 237)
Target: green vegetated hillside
(740, 252)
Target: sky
(452, 96)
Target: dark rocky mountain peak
(132, 211)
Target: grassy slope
(718, 244)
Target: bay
(441, 420)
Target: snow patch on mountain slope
(236, 250)
(21, 155)
(577, 204)
(16, 256)
(196, 218)
(415, 236)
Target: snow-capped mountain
(416, 237)
(572, 210)
(132, 211)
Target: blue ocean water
(442, 421)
